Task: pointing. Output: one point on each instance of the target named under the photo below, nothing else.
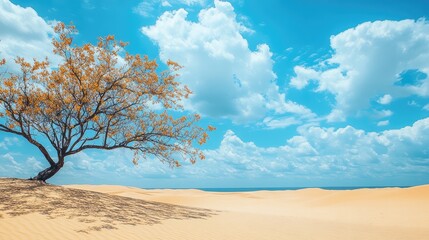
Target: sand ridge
(389, 213)
(98, 210)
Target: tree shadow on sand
(98, 210)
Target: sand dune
(32, 211)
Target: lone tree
(96, 99)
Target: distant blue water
(289, 188)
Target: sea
(285, 188)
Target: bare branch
(89, 102)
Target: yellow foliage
(8, 84)
(91, 101)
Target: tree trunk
(48, 172)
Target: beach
(29, 210)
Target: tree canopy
(98, 97)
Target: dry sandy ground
(32, 211)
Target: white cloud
(368, 61)
(228, 78)
(314, 153)
(11, 165)
(382, 113)
(426, 107)
(278, 104)
(165, 4)
(148, 7)
(336, 116)
(386, 99)
(24, 33)
(413, 103)
(34, 164)
(328, 152)
(9, 158)
(145, 8)
(9, 141)
(303, 75)
(383, 123)
(280, 122)
(114, 163)
(193, 2)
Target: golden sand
(32, 211)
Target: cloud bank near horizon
(322, 153)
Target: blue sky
(302, 93)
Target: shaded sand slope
(29, 210)
(384, 207)
(388, 213)
(116, 212)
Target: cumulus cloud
(165, 4)
(314, 153)
(303, 76)
(227, 78)
(117, 163)
(24, 33)
(368, 63)
(329, 152)
(386, 99)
